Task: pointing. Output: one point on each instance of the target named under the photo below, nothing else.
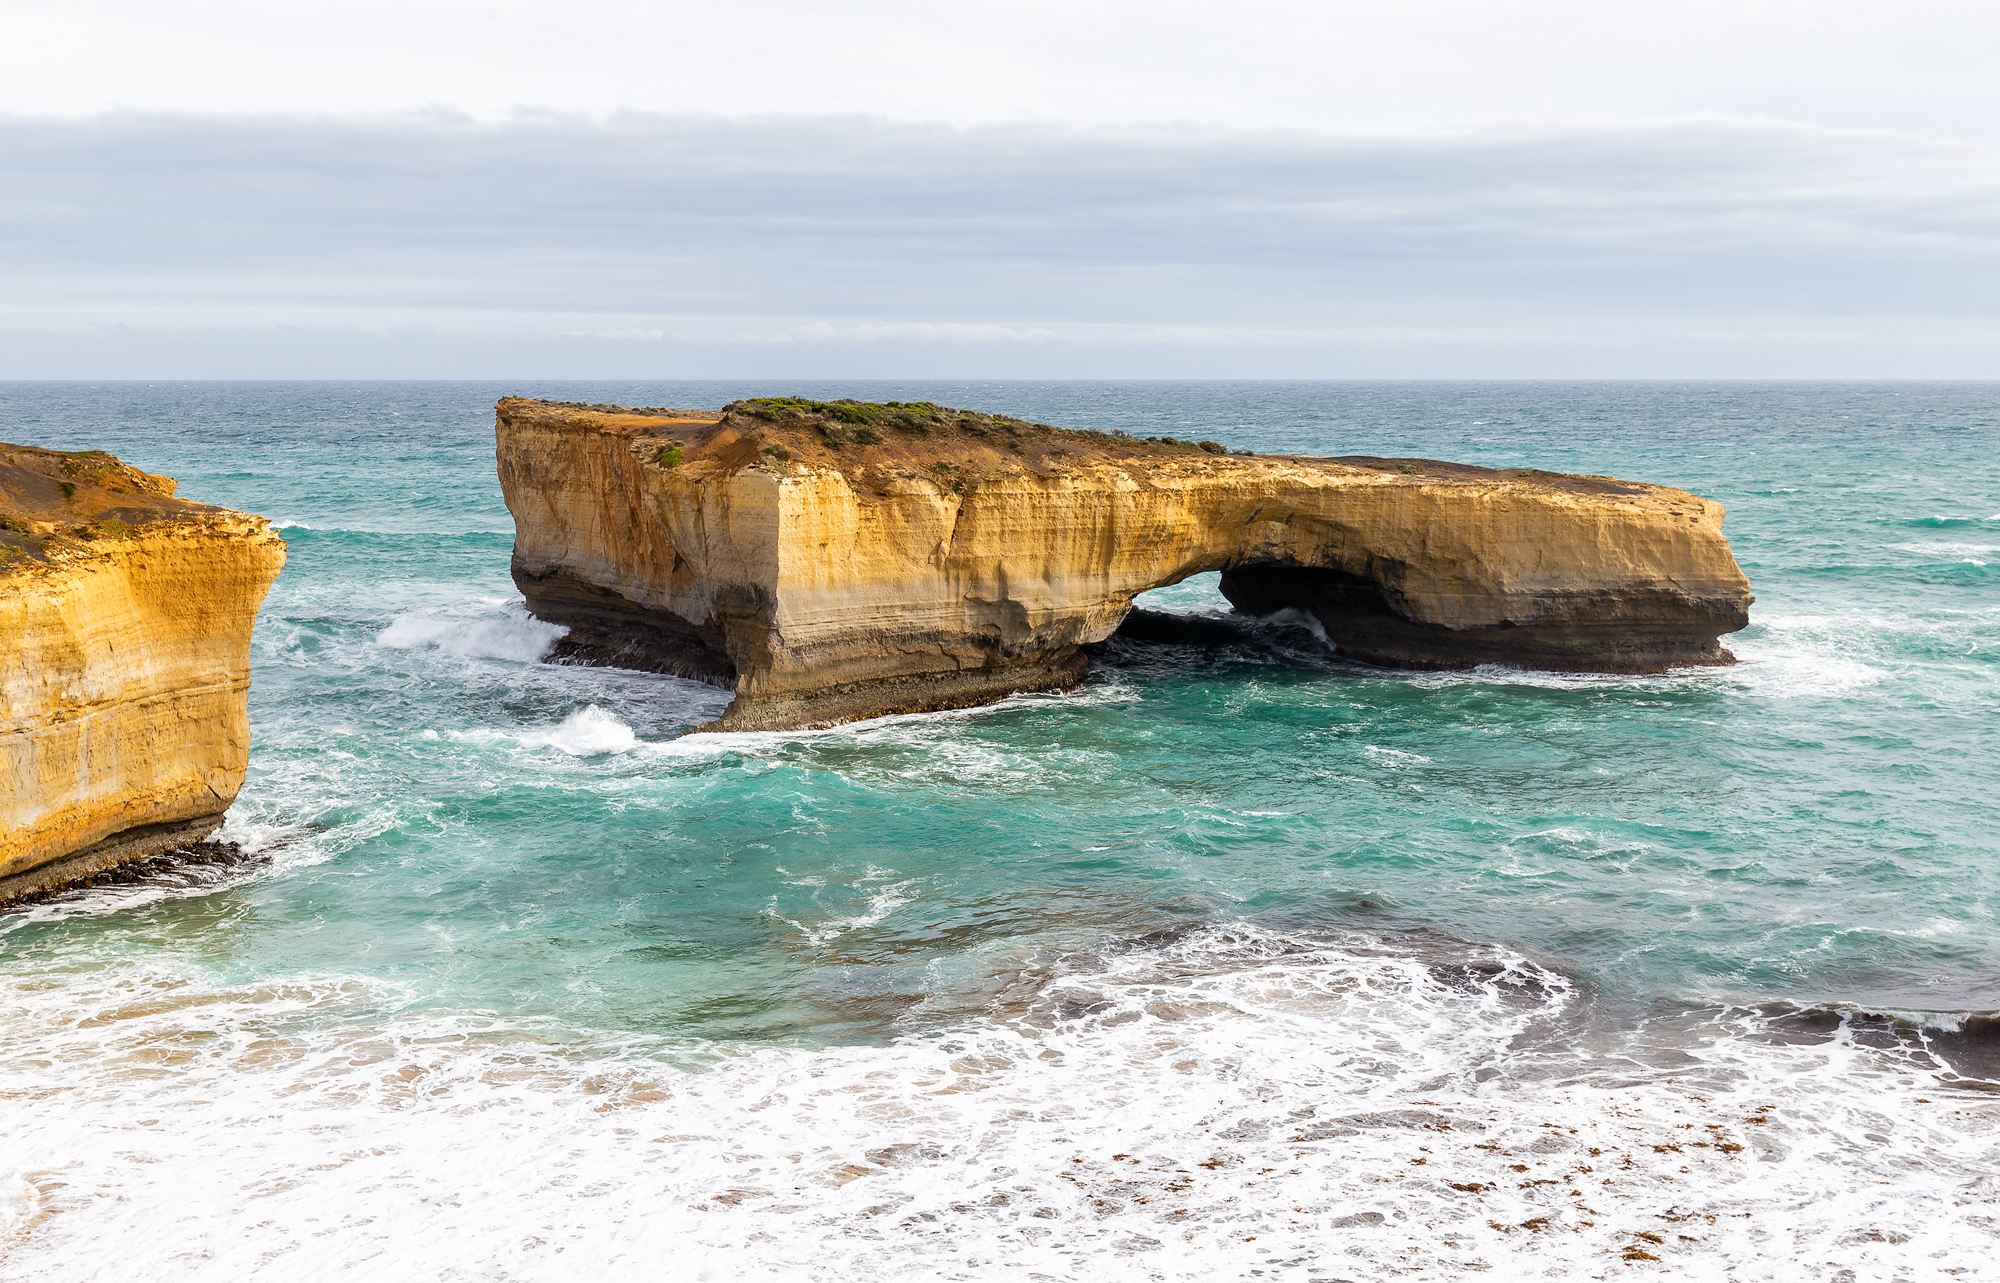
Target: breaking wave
(480, 629)
(1195, 1105)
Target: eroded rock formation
(831, 562)
(125, 618)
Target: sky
(1090, 189)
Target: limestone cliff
(838, 561)
(125, 618)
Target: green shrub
(68, 489)
(917, 416)
(671, 456)
(848, 421)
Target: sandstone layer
(837, 561)
(125, 617)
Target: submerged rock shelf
(836, 561)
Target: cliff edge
(125, 617)
(833, 561)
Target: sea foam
(589, 733)
(1225, 1101)
(481, 629)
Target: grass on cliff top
(652, 411)
(850, 422)
(864, 422)
(921, 430)
(55, 505)
(21, 547)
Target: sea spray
(586, 733)
(485, 629)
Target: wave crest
(590, 733)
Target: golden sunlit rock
(833, 561)
(125, 617)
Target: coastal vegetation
(850, 422)
(647, 411)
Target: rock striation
(834, 561)
(125, 617)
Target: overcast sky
(1082, 189)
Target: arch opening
(1636, 630)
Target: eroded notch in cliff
(1638, 630)
(612, 630)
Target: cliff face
(125, 619)
(831, 562)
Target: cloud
(1016, 246)
(1922, 66)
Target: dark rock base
(122, 857)
(1632, 632)
(928, 693)
(611, 631)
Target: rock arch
(824, 581)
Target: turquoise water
(500, 888)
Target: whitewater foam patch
(1500, 675)
(1781, 657)
(592, 732)
(1292, 617)
(1783, 672)
(262, 849)
(485, 629)
(1941, 522)
(1801, 656)
(1977, 554)
(937, 729)
(1789, 657)
(20, 1203)
(882, 902)
(1229, 1101)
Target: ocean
(1244, 961)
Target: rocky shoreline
(177, 866)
